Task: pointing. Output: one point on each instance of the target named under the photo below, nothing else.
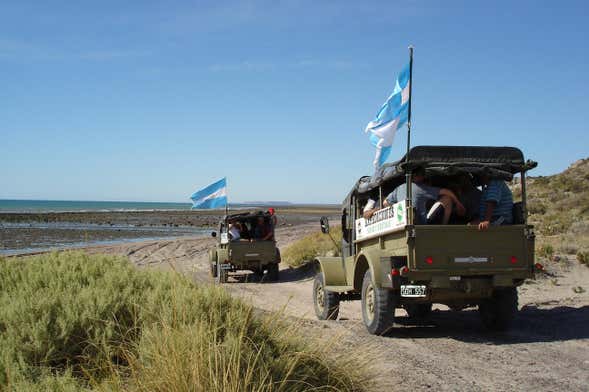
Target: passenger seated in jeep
(234, 231)
(469, 195)
(422, 196)
(263, 231)
(496, 204)
(370, 208)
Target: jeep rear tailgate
(244, 252)
(464, 250)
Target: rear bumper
(451, 287)
(442, 279)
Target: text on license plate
(413, 291)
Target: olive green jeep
(244, 251)
(388, 261)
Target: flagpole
(226, 199)
(408, 171)
(409, 110)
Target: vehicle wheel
(418, 311)
(213, 262)
(222, 274)
(273, 272)
(499, 311)
(326, 302)
(378, 307)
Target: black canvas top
(497, 162)
(247, 215)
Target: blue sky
(147, 101)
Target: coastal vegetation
(73, 321)
(313, 245)
(559, 210)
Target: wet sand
(34, 232)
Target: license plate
(413, 291)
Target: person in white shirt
(370, 208)
(234, 232)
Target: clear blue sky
(148, 100)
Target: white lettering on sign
(384, 221)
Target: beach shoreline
(31, 232)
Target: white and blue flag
(213, 196)
(391, 116)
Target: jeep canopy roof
(250, 215)
(497, 162)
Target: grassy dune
(71, 321)
(559, 210)
(312, 245)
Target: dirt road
(548, 349)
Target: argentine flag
(391, 116)
(213, 196)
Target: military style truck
(388, 261)
(246, 252)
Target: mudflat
(33, 232)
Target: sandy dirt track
(548, 349)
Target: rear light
(513, 259)
(395, 272)
(429, 260)
(404, 270)
(539, 267)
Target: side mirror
(324, 221)
(214, 234)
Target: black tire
(222, 274)
(326, 303)
(418, 311)
(213, 262)
(499, 311)
(273, 272)
(378, 307)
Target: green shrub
(583, 257)
(311, 246)
(70, 321)
(546, 251)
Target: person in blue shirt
(496, 203)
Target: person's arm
(460, 210)
(390, 199)
(490, 208)
(492, 196)
(369, 209)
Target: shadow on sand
(286, 275)
(532, 324)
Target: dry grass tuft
(71, 321)
(313, 245)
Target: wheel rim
(320, 297)
(369, 302)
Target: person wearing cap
(273, 219)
